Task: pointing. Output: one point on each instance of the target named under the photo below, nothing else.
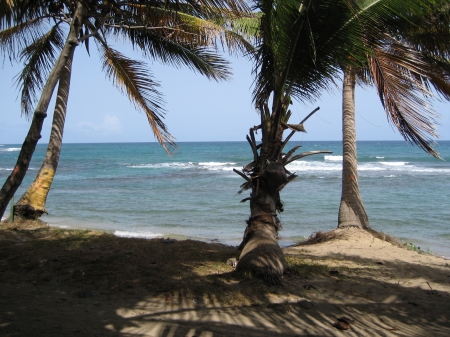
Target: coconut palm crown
(302, 47)
(177, 33)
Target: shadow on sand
(79, 283)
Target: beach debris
(333, 272)
(343, 323)
(413, 303)
(305, 304)
(432, 291)
(168, 240)
(379, 262)
(232, 262)
(308, 286)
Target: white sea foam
(334, 166)
(298, 166)
(211, 166)
(333, 158)
(390, 176)
(161, 165)
(371, 167)
(138, 235)
(217, 166)
(5, 169)
(394, 163)
(330, 164)
(379, 157)
(11, 149)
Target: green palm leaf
(177, 53)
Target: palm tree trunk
(261, 255)
(351, 211)
(14, 180)
(32, 203)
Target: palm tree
(22, 23)
(302, 47)
(352, 212)
(175, 32)
(402, 71)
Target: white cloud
(110, 125)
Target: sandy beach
(57, 282)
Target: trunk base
(263, 257)
(28, 212)
(353, 215)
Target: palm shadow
(100, 285)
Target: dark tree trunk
(261, 253)
(14, 180)
(351, 211)
(32, 203)
(266, 176)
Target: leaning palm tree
(403, 71)
(302, 47)
(175, 32)
(25, 23)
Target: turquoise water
(135, 189)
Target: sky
(198, 109)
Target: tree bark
(32, 203)
(261, 255)
(14, 180)
(351, 211)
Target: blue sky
(197, 109)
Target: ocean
(137, 190)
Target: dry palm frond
(133, 78)
(401, 77)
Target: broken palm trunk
(266, 176)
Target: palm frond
(135, 80)
(432, 35)
(39, 58)
(213, 7)
(6, 13)
(328, 42)
(187, 28)
(401, 95)
(15, 38)
(178, 54)
(322, 49)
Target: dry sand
(57, 282)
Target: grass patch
(413, 247)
